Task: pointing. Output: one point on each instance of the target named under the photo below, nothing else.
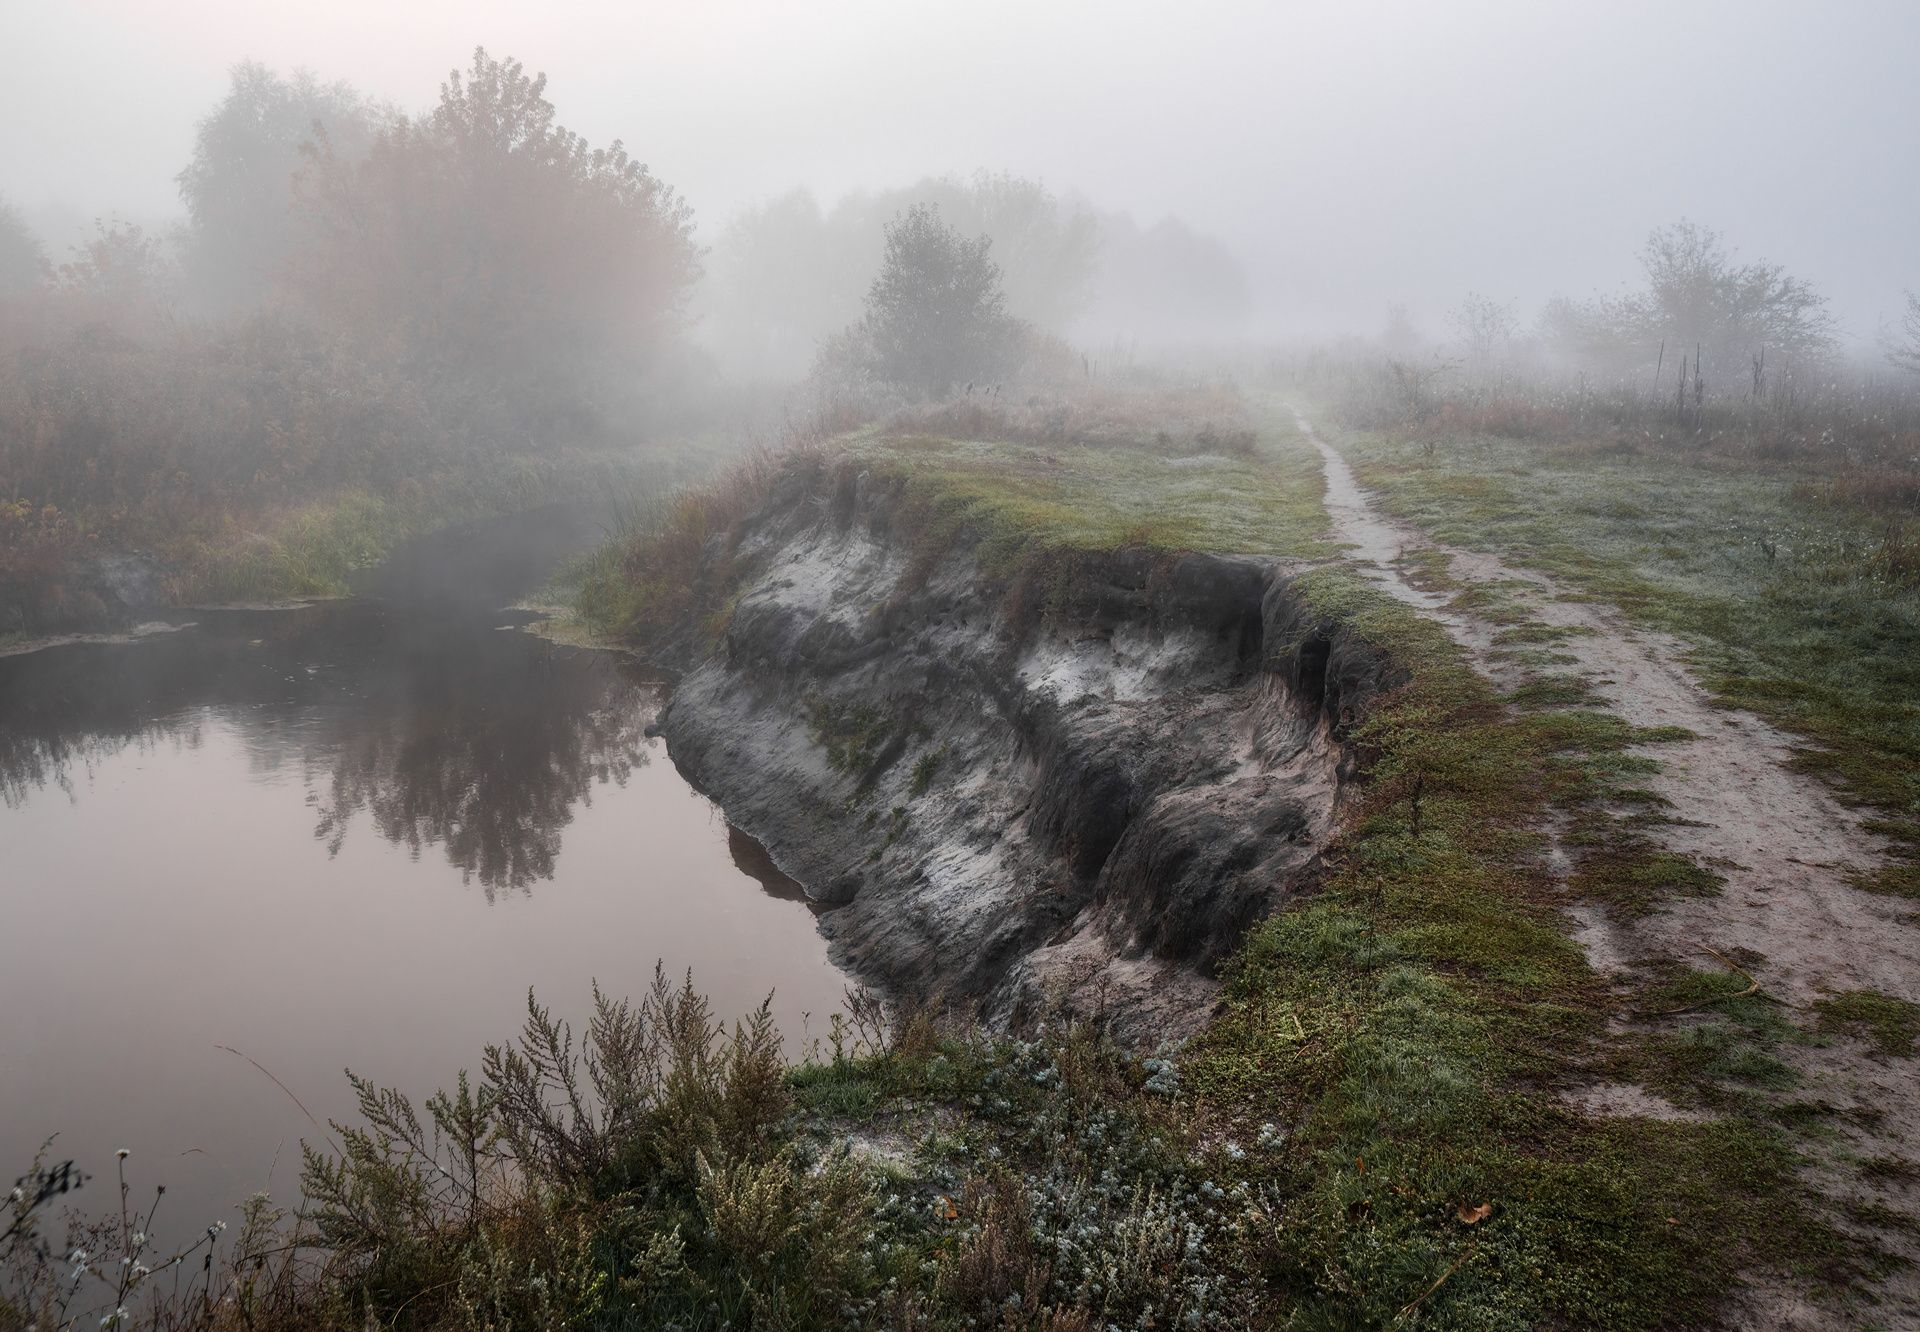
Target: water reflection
(450, 733)
(350, 836)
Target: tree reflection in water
(484, 750)
(448, 733)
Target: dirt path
(1784, 845)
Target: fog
(1351, 157)
(1257, 531)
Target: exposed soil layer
(1080, 782)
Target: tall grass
(657, 1169)
(1842, 425)
(670, 564)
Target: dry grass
(673, 565)
(1868, 428)
(1180, 421)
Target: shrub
(936, 316)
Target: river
(240, 858)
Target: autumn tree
(936, 315)
(486, 238)
(121, 272)
(23, 260)
(239, 187)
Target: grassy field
(1797, 602)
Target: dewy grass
(1779, 591)
(1075, 497)
(1409, 1026)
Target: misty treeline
(1706, 350)
(357, 293)
(1701, 322)
(786, 277)
(364, 297)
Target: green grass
(1013, 497)
(1410, 1024)
(1413, 1021)
(1891, 1025)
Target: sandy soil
(1785, 846)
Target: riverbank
(1424, 1010)
(66, 575)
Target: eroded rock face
(1090, 803)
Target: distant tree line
(1701, 322)
(359, 292)
(786, 276)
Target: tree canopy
(239, 187)
(786, 273)
(23, 260)
(486, 235)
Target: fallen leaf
(1673, 1220)
(1473, 1216)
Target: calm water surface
(346, 836)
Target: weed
(851, 733)
(924, 770)
(1891, 1025)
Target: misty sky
(1353, 154)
